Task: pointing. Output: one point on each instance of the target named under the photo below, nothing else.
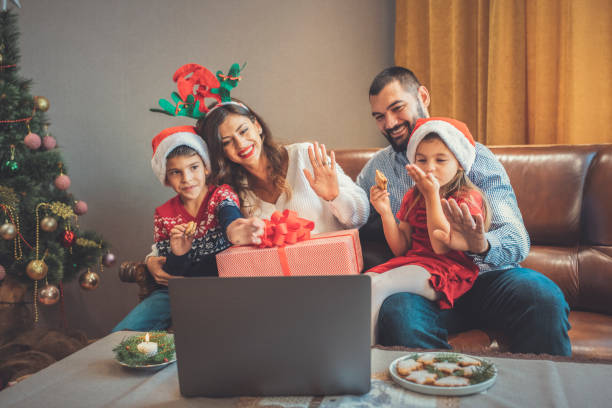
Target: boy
(200, 221)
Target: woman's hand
(246, 231)
(180, 242)
(154, 265)
(380, 201)
(324, 182)
(427, 184)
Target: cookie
(468, 361)
(381, 180)
(446, 367)
(190, 229)
(422, 377)
(469, 371)
(405, 367)
(427, 359)
(452, 381)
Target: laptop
(265, 336)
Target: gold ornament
(1, 59)
(48, 224)
(42, 103)
(8, 231)
(49, 295)
(37, 269)
(89, 280)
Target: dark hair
(404, 76)
(223, 170)
(182, 150)
(459, 185)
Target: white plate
(147, 366)
(437, 390)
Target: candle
(149, 348)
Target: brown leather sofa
(565, 195)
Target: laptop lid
(299, 335)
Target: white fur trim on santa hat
(171, 142)
(456, 141)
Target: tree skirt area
(34, 350)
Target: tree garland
(127, 352)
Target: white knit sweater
(349, 210)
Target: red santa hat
(454, 134)
(169, 139)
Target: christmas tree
(41, 244)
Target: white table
(92, 378)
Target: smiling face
(432, 156)
(241, 139)
(187, 176)
(396, 111)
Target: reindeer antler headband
(195, 83)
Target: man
(525, 304)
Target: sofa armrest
(137, 272)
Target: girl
(441, 153)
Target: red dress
(452, 273)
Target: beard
(401, 147)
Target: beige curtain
(517, 72)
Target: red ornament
(32, 140)
(62, 182)
(165, 360)
(68, 238)
(49, 142)
(80, 207)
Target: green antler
(228, 82)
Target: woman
(270, 177)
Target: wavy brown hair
(223, 170)
(459, 186)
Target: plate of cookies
(443, 373)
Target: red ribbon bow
(285, 228)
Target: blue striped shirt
(507, 236)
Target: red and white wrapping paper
(332, 253)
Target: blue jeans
(526, 305)
(153, 313)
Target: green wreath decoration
(127, 352)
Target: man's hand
(180, 241)
(466, 233)
(246, 231)
(325, 180)
(155, 264)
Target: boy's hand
(246, 231)
(180, 241)
(427, 184)
(154, 265)
(380, 200)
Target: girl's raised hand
(324, 180)
(180, 242)
(380, 200)
(426, 183)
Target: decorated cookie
(452, 381)
(469, 371)
(446, 367)
(468, 361)
(422, 377)
(427, 359)
(406, 366)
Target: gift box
(332, 253)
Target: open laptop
(302, 335)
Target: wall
(103, 63)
